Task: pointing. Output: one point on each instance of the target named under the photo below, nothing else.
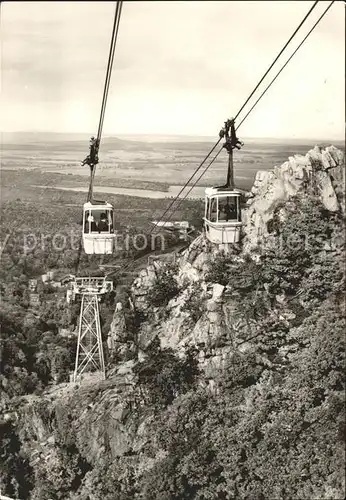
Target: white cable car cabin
(98, 228)
(222, 221)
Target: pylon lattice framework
(89, 355)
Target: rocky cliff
(320, 172)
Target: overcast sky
(180, 67)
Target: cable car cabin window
(213, 210)
(229, 209)
(110, 216)
(98, 221)
(207, 205)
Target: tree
(16, 473)
(163, 376)
(165, 286)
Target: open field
(139, 164)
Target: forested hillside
(225, 380)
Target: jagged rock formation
(142, 283)
(118, 331)
(219, 331)
(320, 171)
(93, 422)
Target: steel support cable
(288, 60)
(267, 88)
(103, 106)
(182, 189)
(247, 100)
(114, 38)
(314, 26)
(106, 89)
(175, 209)
(277, 57)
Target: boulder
(118, 331)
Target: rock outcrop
(320, 172)
(142, 284)
(118, 330)
(97, 420)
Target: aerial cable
(275, 60)
(105, 92)
(288, 60)
(194, 184)
(266, 73)
(295, 51)
(182, 189)
(109, 66)
(276, 76)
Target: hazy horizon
(180, 77)
(148, 136)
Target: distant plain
(143, 162)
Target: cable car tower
(222, 219)
(97, 238)
(89, 355)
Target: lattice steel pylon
(89, 355)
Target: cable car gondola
(98, 224)
(98, 228)
(222, 218)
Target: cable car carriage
(222, 220)
(98, 228)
